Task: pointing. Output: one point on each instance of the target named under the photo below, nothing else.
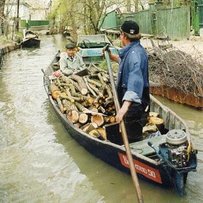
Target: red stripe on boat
(141, 168)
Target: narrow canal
(39, 162)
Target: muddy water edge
(40, 162)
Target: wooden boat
(164, 157)
(66, 34)
(30, 39)
(91, 47)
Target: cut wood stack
(86, 100)
(154, 124)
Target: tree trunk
(2, 17)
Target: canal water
(41, 163)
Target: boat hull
(150, 166)
(32, 42)
(116, 156)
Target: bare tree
(2, 17)
(85, 15)
(128, 5)
(135, 4)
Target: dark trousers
(134, 130)
(134, 121)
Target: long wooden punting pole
(124, 133)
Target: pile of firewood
(87, 101)
(174, 68)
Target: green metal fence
(174, 23)
(110, 21)
(33, 23)
(143, 18)
(200, 6)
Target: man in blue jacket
(132, 82)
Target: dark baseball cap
(130, 27)
(70, 45)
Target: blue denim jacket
(133, 73)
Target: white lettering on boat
(141, 168)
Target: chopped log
(105, 77)
(93, 109)
(55, 94)
(72, 89)
(101, 79)
(64, 84)
(80, 107)
(63, 95)
(95, 133)
(53, 87)
(81, 83)
(75, 84)
(112, 119)
(93, 76)
(154, 114)
(70, 96)
(149, 128)
(96, 90)
(90, 100)
(94, 82)
(65, 79)
(108, 103)
(102, 132)
(60, 104)
(68, 106)
(73, 116)
(77, 125)
(89, 88)
(106, 119)
(55, 91)
(101, 109)
(98, 119)
(110, 95)
(159, 122)
(75, 94)
(58, 83)
(98, 101)
(94, 113)
(111, 108)
(97, 70)
(83, 118)
(89, 127)
(155, 120)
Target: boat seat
(143, 148)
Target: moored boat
(30, 40)
(165, 156)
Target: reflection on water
(34, 167)
(39, 162)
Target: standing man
(132, 82)
(71, 61)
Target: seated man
(70, 61)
